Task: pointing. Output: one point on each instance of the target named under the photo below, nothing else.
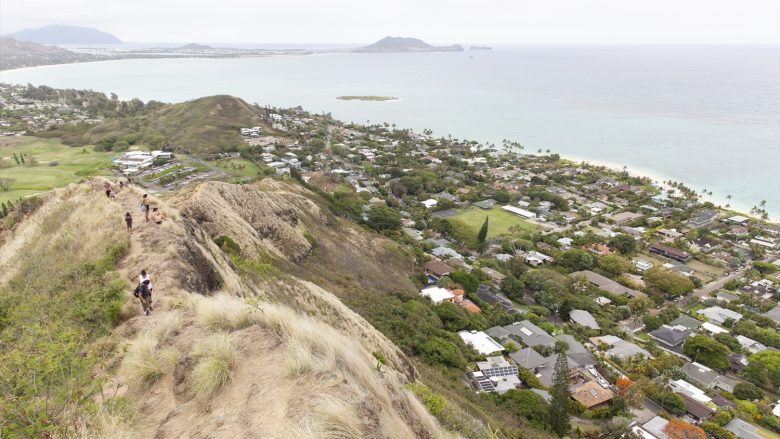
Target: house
(530, 334)
(495, 375)
(670, 337)
(429, 203)
(583, 318)
(773, 314)
(696, 409)
(446, 252)
(436, 269)
(606, 284)
(737, 219)
(565, 242)
(684, 387)
(619, 348)
(737, 362)
(642, 266)
(670, 234)
(481, 342)
(703, 219)
(625, 217)
(750, 345)
(743, 430)
(412, 233)
(656, 427)
(713, 329)
(686, 321)
(719, 315)
(599, 249)
(726, 297)
(542, 367)
(518, 211)
(437, 294)
(495, 276)
(486, 204)
(700, 374)
(592, 395)
(670, 252)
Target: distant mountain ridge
(15, 54)
(63, 34)
(405, 44)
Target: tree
(651, 322)
(577, 260)
(715, 431)
(679, 429)
(668, 281)
(748, 392)
(383, 218)
(670, 401)
(707, 351)
(513, 287)
(729, 341)
(614, 264)
(560, 402)
(483, 231)
(763, 369)
(502, 197)
(528, 405)
(5, 184)
(624, 244)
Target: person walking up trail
(144, 279)
(129, 222)
(143, 294)
(145, 207)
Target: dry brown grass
(222, 312)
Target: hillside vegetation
(201, 126)
(264, 353)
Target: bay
(708, 116)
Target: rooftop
(481, 342)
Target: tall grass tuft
(223, 312)
(140, 367)
(214, 370)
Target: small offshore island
(367, 98)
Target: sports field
(501, 222)
(72, 165)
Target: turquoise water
(707, 116)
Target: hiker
(144, 294)
(145, 277)
(121, 185)
(145, 207)
(107, 186)
(129, 221)
(157, 216)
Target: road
(715, 285)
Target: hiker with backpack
(145, 207)
(143, 294)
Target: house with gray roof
(619, 348)
(530, 334)
(687, 321)
(742, 429)
(773, 314)
(583, 318)
(700, 374)
(576, 351)
(670, 337)
(606, 284)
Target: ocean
(707, 116)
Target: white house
(518, 211)
(437, 294)
(430, 203)
(719, 315)
(481, 342)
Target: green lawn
(501, 222)
(239, 167)
(73, 165)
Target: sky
(436, 21)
